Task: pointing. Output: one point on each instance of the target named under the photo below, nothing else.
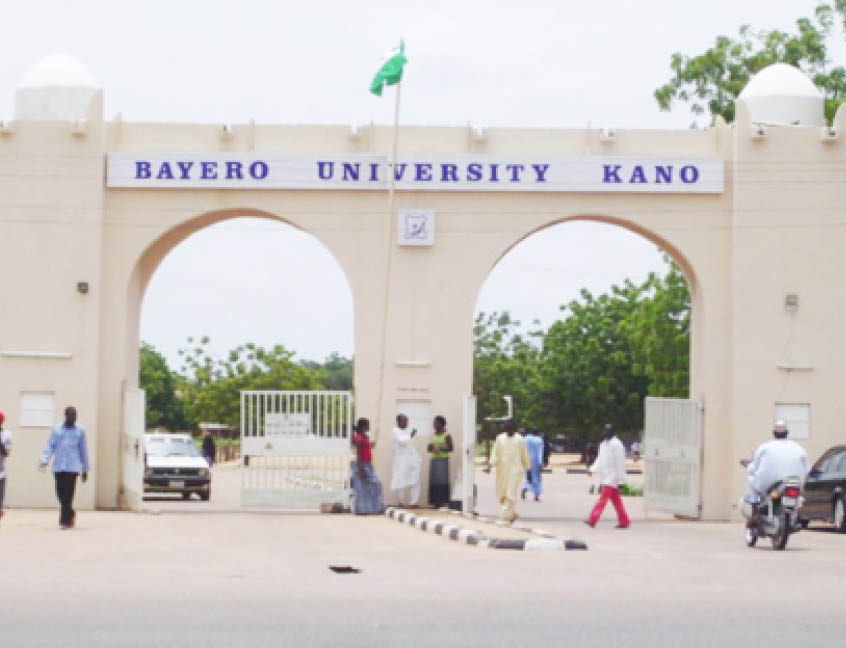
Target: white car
(174, 464)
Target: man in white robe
(511, 460)
(405, 476)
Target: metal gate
(132, 448)
(672, 439)
(295, 448)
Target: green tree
(213, 385)
(658, 333)
(711, 81)
(505, 363)
(164, 408)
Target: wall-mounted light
(791, 302)
(82, 287)
(829, 134)
(758, 132)
(225, 132)
(606, 135)
(5, 127)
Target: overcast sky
(490, 63)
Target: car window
(838, 462)
(171, 448)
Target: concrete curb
(472, 538)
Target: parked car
(825, 490)
(174, 464)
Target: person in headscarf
(511, 461)
(367, 489)
(439, 448)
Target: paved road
(229, 579)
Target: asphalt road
(236, 579)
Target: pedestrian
(611, 466)
(66, 446)
(534, 448)
(547, 449)
(209, 449)
(367, 489)
(511, 461)
(405, 476)
(439, 448)
(5, 449)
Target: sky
(551, 64)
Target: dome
(58, 70)
(782, 94)
(57, 88)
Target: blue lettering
(233, 171)
(611, 173)
(184, 169)
(474, 172)
(494, 168)
(664, 174)
(540, 170)
(351, 171)
(449, 173)
(325, 170)
(374, 171)
(638, 176)
(689, 174)
(399, 171)
(258, 170)
(164, 172)
(142, 170)
(209, 170)
(515, 169)
(424, 171)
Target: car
(825, 490)
(174, 464)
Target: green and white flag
(391, 71)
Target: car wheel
(840, 515)
(751, 536)
(204, 495)
(804, 522)
(186, 495)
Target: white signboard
(285, 424)
(604, 174)
(416, 227)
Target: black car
(825, 490)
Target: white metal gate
(672, 439)
(132, 447)
(295, 448)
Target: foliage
(711, 81)
(207, 388)
(505, 363)
(164, 408)
(593, 366)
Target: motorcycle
(777, 516)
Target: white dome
(783, 94)
(58, 70)
(57, 88)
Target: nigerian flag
(391, 71)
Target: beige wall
(767, 234)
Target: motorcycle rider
(773, 461)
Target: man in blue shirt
(70, 458)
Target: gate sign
(286, 424)
(602, 174)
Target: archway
(624, 330)
(272, 270)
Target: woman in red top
(367, 489)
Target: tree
(712, 81)
(213, 385)
(658, 334)
(505, 363)
(164, 408)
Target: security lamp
(82, 287)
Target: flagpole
(390, 255)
